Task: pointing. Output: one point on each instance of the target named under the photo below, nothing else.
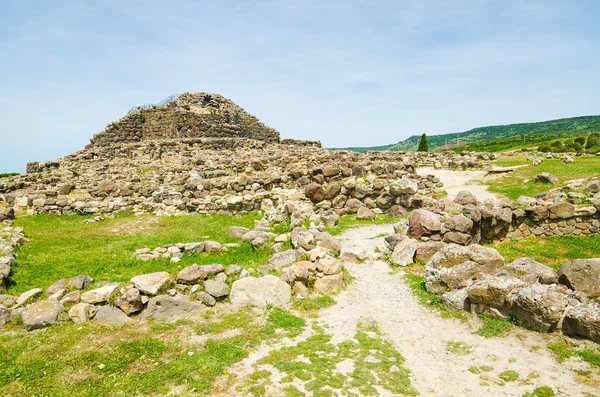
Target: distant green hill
(499, 137)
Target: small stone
(216, 288)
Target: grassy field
(140, 358)
(552, 251)
(521, 182)
(63, 247)
(350, 221)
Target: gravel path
(422, 337)
(455, 181)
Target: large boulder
(259, 292)
(170, 306)
(404, 252)
(426, 249)
(153, 283)
(329, 284)
(41, 315)
(131, 302)
(403, 186)
(110, 314)
(540, 307)
(458, 223)
(562, 210)
(545, 177)
(455, 266)
(192, 274)
(82, 312)
(216, 288)
(315, 192)
(583, 321)
(424, 223)
(581, 275)
(465, 197)
(528, 269)
(493, 295)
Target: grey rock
(528, 269)
(130, 302)
(28, 296)
(582, 275)
(206, 298)
(82, 312)
(562, 210)
(80, 282)
(192, 274)
(4, 316)
(254, 234)
(238, 231)
(329, 284)
(545, 177)
(259, 292)
(41, 315)
(424, 223)
(465, 197)
(583, 321)
(168, 306)
(365, 213)
(540, 307)
(110, 314)
(404, 252)
(216, 288)
(99, 295)
(456, 299)
(153, 283)
(283, 259)
(212, 247)
(403, 186)
(60, 284)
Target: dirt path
(422, 337)
(455, 181)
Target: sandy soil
(455, 181)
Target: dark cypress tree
(423, 145)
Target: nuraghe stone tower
(191, 115)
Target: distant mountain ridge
(552, 129)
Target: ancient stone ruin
(203, 154)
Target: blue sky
(344, 72)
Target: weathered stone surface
(28, 296)
(99, 295)
(528, 269)
(4, 315)
(41, 315)
(283, 259)
(110, 314)
(495, 292)
(314, 192)
(329, 284)
(212, 247)
(206, 298)
(455, 266)
(425, 250)
(403, 186)
(170, 306)
(80, 282)
(456, 299)
(424, 223)
(583, 321)
(404, 252)
(465, 197)
(545, 177)
(238, 231)
(216, 288)
(153, 283)
(259, 292)
(60, 284)
(539, 307)
(192, 274)
(582, 275)
(457, 238)
(82, 312)
(130, 302)
(365, 213)
(562, 210)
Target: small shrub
(542, 391)
(509, 376)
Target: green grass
(459, 348)
(416, 282)
(372, 356)
(95, 360)
(542, 391)
(350, 221)
(494, 326)
(509, 375)
(521, 182)
(63, 247)
(8, 174)
(553, 251)
(311, 304)
(563, 350)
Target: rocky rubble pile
(175, 252)
(476, 279)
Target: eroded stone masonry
(202, 154)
